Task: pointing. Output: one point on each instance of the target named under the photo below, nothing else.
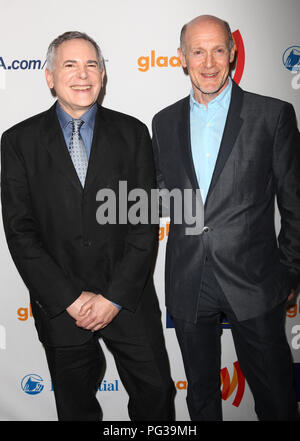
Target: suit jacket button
(206, 229)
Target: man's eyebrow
(214, 47)
(76, 61)
(70, 61)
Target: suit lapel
(101, 148)
(231, 130)
(54, 142)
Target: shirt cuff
(115, 304)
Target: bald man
(236, 151)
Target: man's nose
(209, 60)
(82, 72)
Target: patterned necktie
(77, 151)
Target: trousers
(262, 350)
(137, 344)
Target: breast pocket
(251, 181)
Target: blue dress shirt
(86, 131)
(207, 127)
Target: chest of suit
(245, 176)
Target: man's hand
(96, 313)
(74, 308)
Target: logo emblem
(240, 59)
(229, 385)
(32, 384)
(291, 58)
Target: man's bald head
(205, 19)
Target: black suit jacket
(259, 158)
(50, 221)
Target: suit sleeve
(134, 268)
(287, 171)
(49, 287)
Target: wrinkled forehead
(76, 49)
(206, 30)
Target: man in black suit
(84, 277)
(240, 150)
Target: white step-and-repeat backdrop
(139, 39)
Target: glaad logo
(291, 61)
(24, 313)
(228, 387)
(2, 337)
(147, 62)
(32, 384)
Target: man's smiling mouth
(81, 87)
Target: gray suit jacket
(259, 159)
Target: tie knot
(76, 124)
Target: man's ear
(102, 76)
(181, 57)
(232, 53)
(49, 78)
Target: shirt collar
(88, 118)
(222, 99)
